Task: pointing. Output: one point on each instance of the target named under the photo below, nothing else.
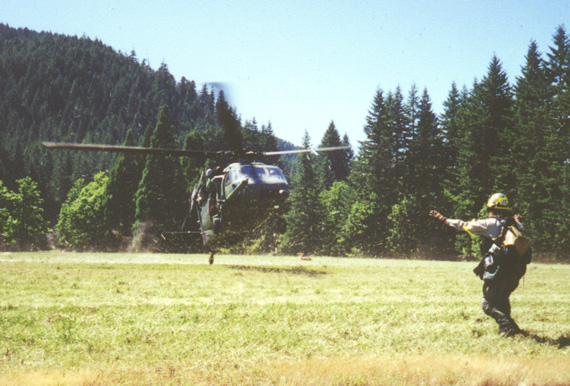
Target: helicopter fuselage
(240, 198)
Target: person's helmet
(498, 201)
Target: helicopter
(228, 202)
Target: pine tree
(251, 135)
(449, 139)
(411, 159)
(423, 175)
(268, 142)
(191, 167)
(303, 233)
(373, 179)
(336, 205)
(484, 163)
(448, 132)
(160, 195)
(535, 182)
(554, 181)
(119, 200)
(332, 166)
(487, 136)
(229, 122)
(397, 124)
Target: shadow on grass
(562, 341)
(295, 270)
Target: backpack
(510, 247)
(514, 238)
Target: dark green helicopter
(231, 201)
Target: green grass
(96, 319)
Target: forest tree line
(491, 136)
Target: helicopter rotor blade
(180, 153)
(133, 149)
(301, 151)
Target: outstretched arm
(438, 216)
(458, 224)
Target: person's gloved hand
(438, 216)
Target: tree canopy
(494, 135)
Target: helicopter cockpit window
(232, 176)
(267, 173)
(270, 174)
(246, 170)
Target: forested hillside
(69, 89)
(497, 134)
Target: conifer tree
(448, 133)
(448, 139)
(373, 179)
(487, 137)
(336, 204)
(191, 167)
(534, 157)
(303, 233)
(160, 195)
(423, 183)
(348, 153)
(410, 159)
(397, 124)
(119, 199)
(268, 142)
(251, 135)
(332, 166)
(554, 182)
(229, 122)
(484, 164)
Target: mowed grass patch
(174, 319)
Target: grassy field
(136, 319)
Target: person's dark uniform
(501, 267)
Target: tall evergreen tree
(229, 122)
(119, 198)
(160, 195)
(191, 167)
(448, 132)
(484, 162)
(251, 135)
(487, 137)
(373, 179)
(423, 183)
(336, 203)
(397, 125)
(410, 159)
(553, 178)
(303, 233)
(534, 157)
(332, 166)
(268, 142)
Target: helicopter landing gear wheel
(211, 259)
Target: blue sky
(302, 64)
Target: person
(501, 268)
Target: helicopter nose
(284, 194)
